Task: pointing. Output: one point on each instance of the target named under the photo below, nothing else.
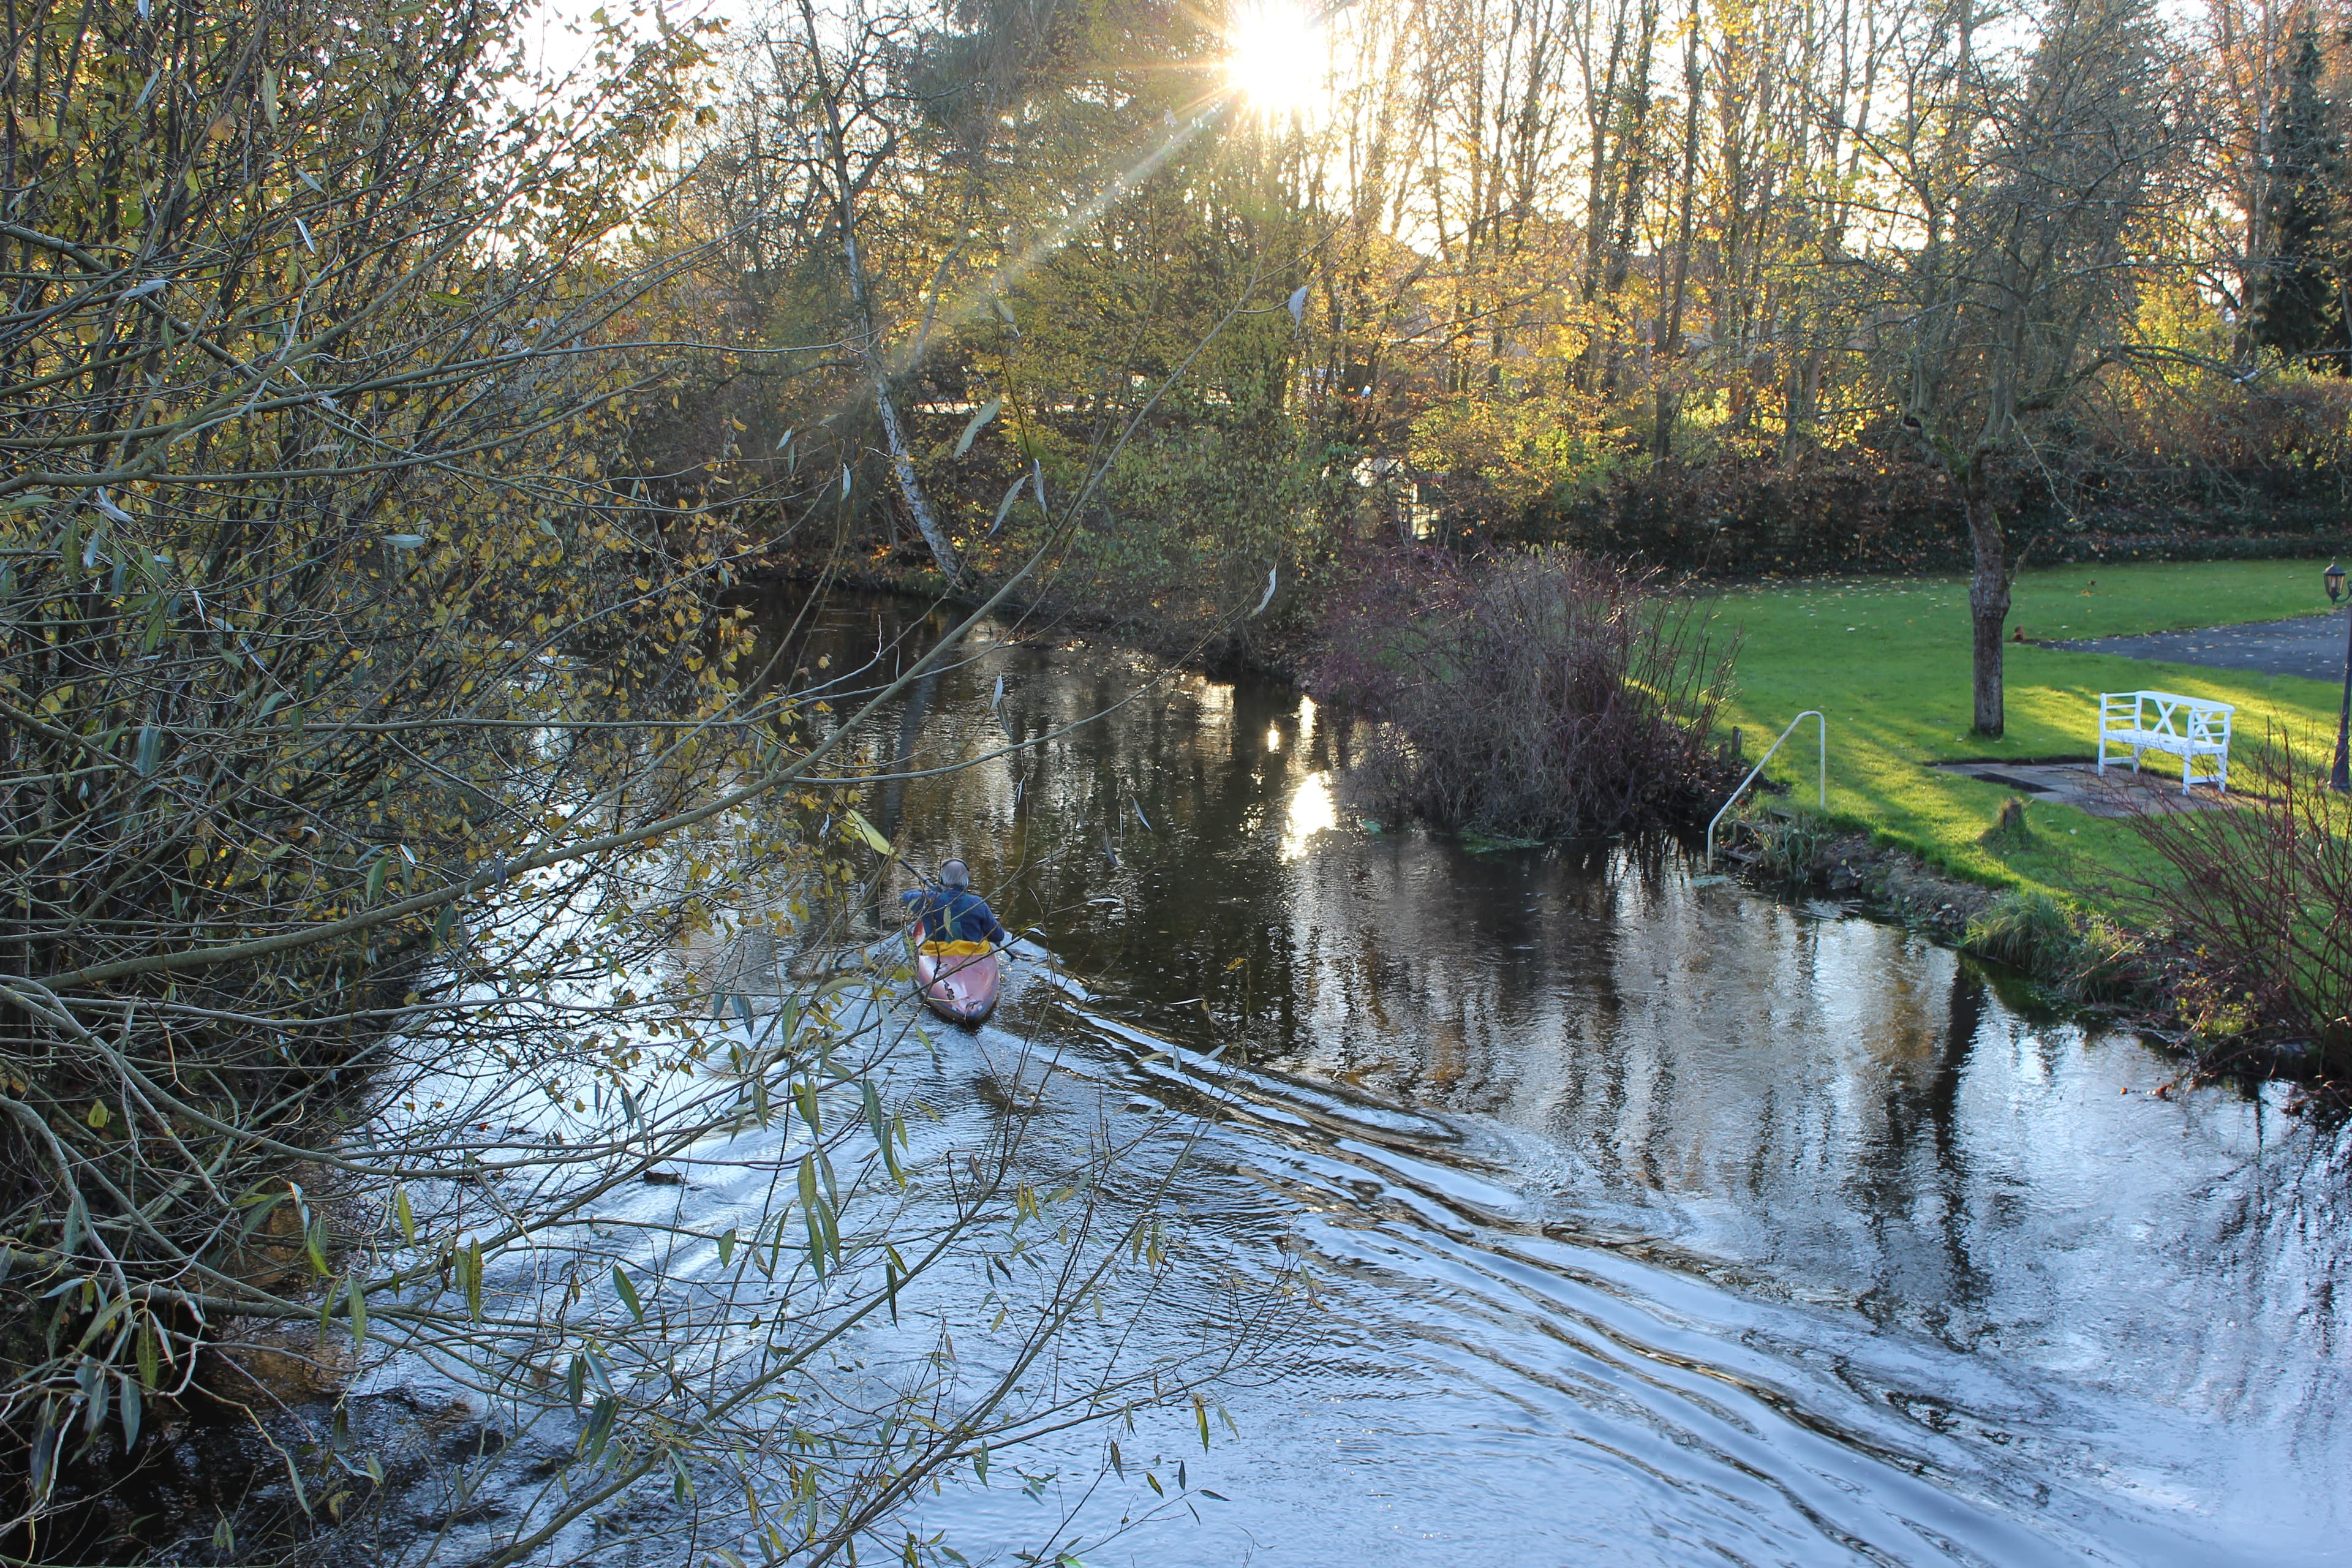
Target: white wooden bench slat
(2185, 726)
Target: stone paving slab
(2118, 793)
(2308, 646)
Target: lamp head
(2334, 578)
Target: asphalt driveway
(2308, 646)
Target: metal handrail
(1813, 713)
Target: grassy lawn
(1887, 660)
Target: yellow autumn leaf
(871, 834)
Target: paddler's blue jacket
(959, 916)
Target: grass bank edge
(1887, 660)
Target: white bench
(2185, 726)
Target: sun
(1276, 57)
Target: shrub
(2031, 931)
(2108, 963)
(1541, 695)
(2261, 901)
(2086, 958)
(1788, 840)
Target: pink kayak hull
(960, 987)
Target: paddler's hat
(955, 874)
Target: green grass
(1887, 660)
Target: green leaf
(376, 875)
(359, 1312)
(628, 1293)
(575, 1381)
(442, 297)
(811, 1217)
(606, 1410)
(406, 1216)
(727, 1247)
(473, 1272)
(131, 1412)
(988, 411)
(881, 1130)
(1004, 506)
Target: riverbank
(1886, 660)
(1906, 840)
(2084, 966)
(2054, 889)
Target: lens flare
(1276, 57)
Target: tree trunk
(902, 461)
(902, 465)
(1670, 340)
(1988, 594)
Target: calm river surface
(1652, 1221)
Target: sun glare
(1277, 58)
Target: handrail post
(1821, 787)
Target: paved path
(2119, 792)
(2310, 646)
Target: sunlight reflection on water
(1312, 810)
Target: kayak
(958, 980)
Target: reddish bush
(1534, 694)
(2261, 906)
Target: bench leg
(2103, 754)
(2188, 767)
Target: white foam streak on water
(1478, 1387)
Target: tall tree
(2026, 293)
(2298, 304)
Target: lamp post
(2341, 778)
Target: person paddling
(957, 971)
(954, 919)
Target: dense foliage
(1550, 695)
(1693, 281)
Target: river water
(1621, 1215)
(1652, 1220)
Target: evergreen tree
(2298, 303)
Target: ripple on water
(1643, 1224)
